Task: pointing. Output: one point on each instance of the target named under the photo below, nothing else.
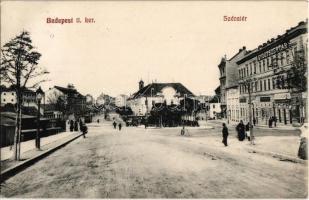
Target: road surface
(157, 163)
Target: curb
(23, 165)
(281, 157)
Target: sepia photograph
(154, 99)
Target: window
(282, 83)
(261, 85)
(12, 93)
(268, 84)
(274, 83)
(267, 62)
(214, 106)
(254, 66)
(264, 85)
(264, 66)
(250, 68)
(281, 59)
(12, 100)
(4, 93)
(255, 86)
(247, 71)
(3, 100)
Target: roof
(155, 88)
(215, 99)
(3, 88)
(69, 91)
(66, 90)
(218, 90)
(12, 115)
(5, 121)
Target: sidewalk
(29, 154)
(258, 126)
(7, 153)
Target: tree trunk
(18, 127)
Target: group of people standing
(243, 132)
(272, 120)
(74, 124)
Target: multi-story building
(121, 100)
(8, 95)
(228, 75)
(265, 71)
(67, 100)
(147, 96)
(215, 111)
(230, 92)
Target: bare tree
(19, 65)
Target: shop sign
(264, 99)
(273, 51)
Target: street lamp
(39, 96)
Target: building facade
(8, 95)
(215, 110)
(228, 77)
(231, 93)
(66, 99)
(121, 100)
(264, 77)
(143, 100)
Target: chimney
(141, 84)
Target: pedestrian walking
(75, 126)
(80, 124)
(240, 128)
(248, 131)
(119, 126)
(270, 122)
(225, 134)
(114, 124)
(254, 121)
(275, 121)
(84, 130)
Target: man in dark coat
(75, 126)
(270, 122)
(114, 124)
(275, 121)
(240, 128)
(119, 126)
(71, 125)
(225, 134)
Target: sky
(157, 41)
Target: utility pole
(250, 113)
